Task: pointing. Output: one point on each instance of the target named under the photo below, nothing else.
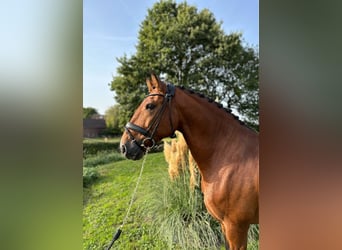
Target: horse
(225, 150)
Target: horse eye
(150, 106)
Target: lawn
(105, 203)
(95, 140)
(106, 199)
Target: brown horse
(226, 152)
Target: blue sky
(110, 30)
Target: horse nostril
(123, 149)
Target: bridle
(148, 142)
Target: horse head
(152, 121)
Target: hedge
(93, 148)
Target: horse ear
(153, 83)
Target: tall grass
(90, 175)
(180, 218)
(178, 213)
(102, 158)
(90, 164)
(253, 237)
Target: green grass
(106, 200)
(181, 218)
(90, 175)
(102, 158)
(96, 140)
(105, 205)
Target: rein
(148, 142)
(119, 231)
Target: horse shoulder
(231, 192)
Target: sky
(110, 30)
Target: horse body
(226, 152)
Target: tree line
(188, 47)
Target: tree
(89, 112)
(188, 47)
(112, 119)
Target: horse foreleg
(236, 234)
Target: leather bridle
(148, 142)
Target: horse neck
(208, 129)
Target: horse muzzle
(131, 150)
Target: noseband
(148, 142)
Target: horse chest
(213, 201)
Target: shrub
(90, 175)
(102, 158)
(93, 148)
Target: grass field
(94, 140)
(105, 202)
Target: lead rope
(118, 232)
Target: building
(93, 127)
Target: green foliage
(110, 132)
(105, 202)
(90, 175)
(188, 47)
(89, 112)
(112, 119)
(253, 237)
(100, 147)
(93, 148)
(102, 158)
(180, 217)
(105, 205)
(99, 139)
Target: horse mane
(218, 105)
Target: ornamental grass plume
(182, 152)
(193, 172)
(167, 152)
(171, 157)
(179, 158)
